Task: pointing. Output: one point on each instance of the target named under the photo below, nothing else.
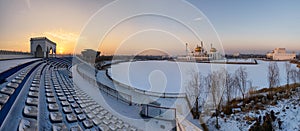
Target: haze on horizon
(255, 26)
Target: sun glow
(65, 40)
(61, 51)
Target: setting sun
(167, 65)
(61, 51)
(65, 39)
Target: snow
(290, 117)
(7, 56)
(241, 60)
(129, 114)
(179, 103)
(7, 64)
(111, 62)
(172, 77)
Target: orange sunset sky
(247, 27)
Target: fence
(144, 92)
(109, 91)
(158, 112)
(7, 52)
(147, 110)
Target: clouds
(246, 24)
(198, 19)
(63, 35)
(65, 40)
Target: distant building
(42, 47)
(214, 54)
(200, 54)
(280, 54)
(237, 54)
(90, 55)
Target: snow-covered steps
(10, 90)
(50, 101)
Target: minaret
(186, 49)
(202, 49)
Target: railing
(7, 52)
(147, 110)
(109, 91)
(184, 125)
(179, 127)
(158, 112)
(150, 93)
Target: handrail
(110, 91)
(151, 93)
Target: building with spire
(200, 54)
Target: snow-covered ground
(241, 60)
(7, 64)
(130, 114)
(173, 77)
(287, 111)
(179, 103)
(6, 56)
(112, 62)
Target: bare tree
(193, 91)
(229, 84)
(241, 77)
(236, 84)
(298, 75)
(273, 75)
(251, 88)
(294, 74)
(216, 82)
(288, 72)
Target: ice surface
(173, 77)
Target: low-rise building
(90, 55)
(281, 54)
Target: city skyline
(242, 26)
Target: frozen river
(173, 77)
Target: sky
(132, 27)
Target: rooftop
(42, 38)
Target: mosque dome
(198, 49)
(213, 50)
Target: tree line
(222, 86)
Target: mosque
(200, 54)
